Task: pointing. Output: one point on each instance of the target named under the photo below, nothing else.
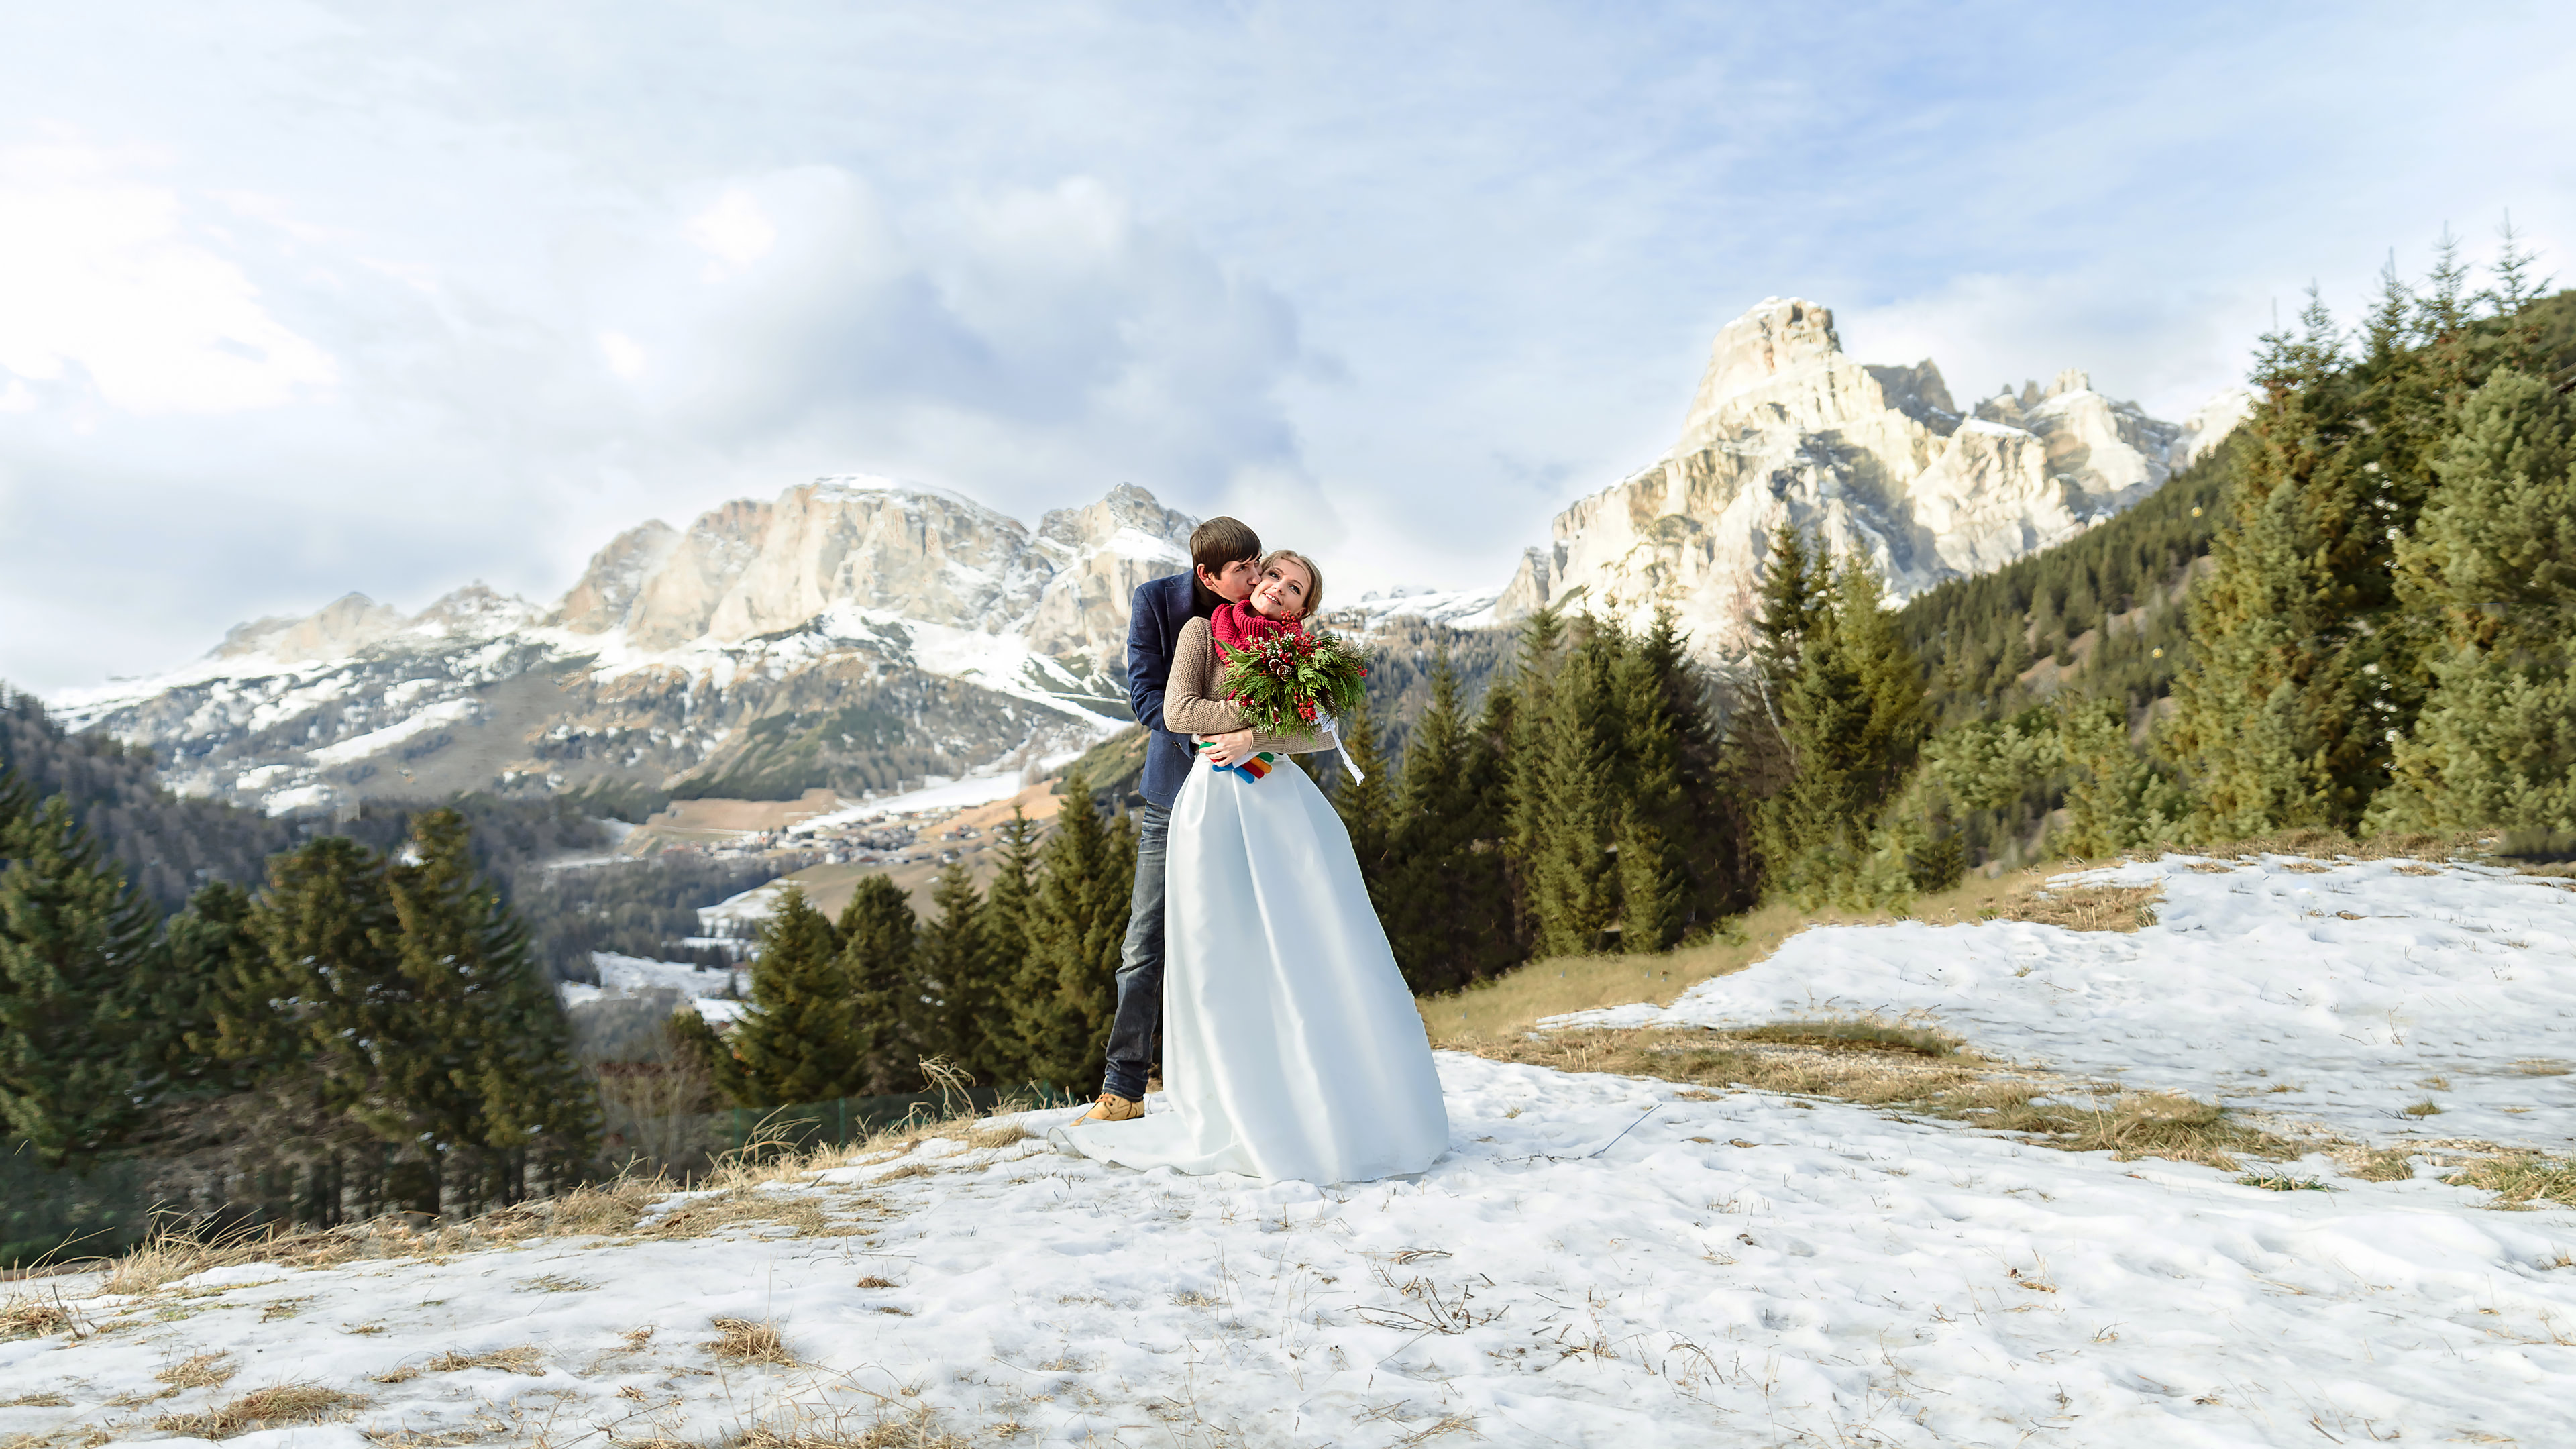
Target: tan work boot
(1113, 1108)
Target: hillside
(169, 845)
(1673, 1259)
(2090, 614)
(2099, 614)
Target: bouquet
(1294, 679)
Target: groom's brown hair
(1221, 541)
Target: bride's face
(1282, 592)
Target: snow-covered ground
(999, 781)
(1459, 608)
(2340, 996)
(621, 975)
(1737, 1269)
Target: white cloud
(735, 229)
(103, 280)
(2169, 349)
(1036, 344)
(626, 356)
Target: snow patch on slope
(2339, 996)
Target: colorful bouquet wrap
(1250, 769)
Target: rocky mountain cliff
(853, 633)
(1787, 431)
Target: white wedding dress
(1291, 1048)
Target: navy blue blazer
(1161, 607)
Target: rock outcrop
(1786, 431)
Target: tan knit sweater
(1194, 701)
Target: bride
(1291, 1048)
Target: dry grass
(801, 1212)
(2282, 1182)
(2520, 1179)
(873, 1281)
(920, 1428)
(526, 1359)
(605, 1209)
(36, 1401)
(993, 1136)
(270, 1408)
(2380, 1165)
(1958, 1086)
(1854, 1033)
(203, 1371)
(2083, 907)
(27, 1316)
(1515, 1001)
(175, 1253)
(739, 1340)
(2326, 845)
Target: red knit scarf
(1238, 626)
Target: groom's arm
(1149, 658)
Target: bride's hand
(1231, 747)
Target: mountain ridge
(853, 633)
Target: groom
(1224, 553)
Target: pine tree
(1656, 821)
(889, 1014)
(436, 1079)
(74, 1062)
(1852, 722)
(1524, 707)
(218, 996)
(958, 967)
(695, 1044)
(1066, 990)
(1447, 901)
(2269, 720)
(1008, 906)
(1574, 863)
(798, 1042)
(489, 1071)
(2492, 564)
(1497, 739)
(325, 923)
(1797, 590)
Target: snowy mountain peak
(1786, 431)
(600, 598)
(334, 631)
(475, 611)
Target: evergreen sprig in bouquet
(1293, 678)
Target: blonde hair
(1314, 577)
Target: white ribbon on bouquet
(1333, 732)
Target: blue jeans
(1140, 962)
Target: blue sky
(299, 299)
